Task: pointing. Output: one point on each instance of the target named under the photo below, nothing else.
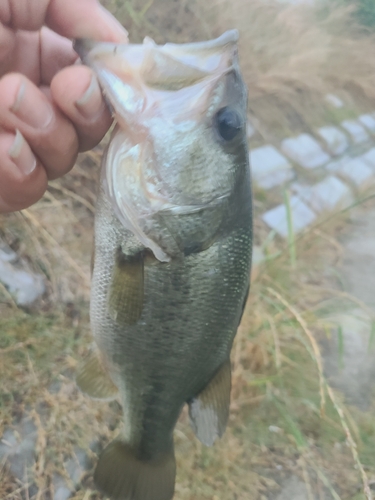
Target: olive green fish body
(191, 310)
(173, 237)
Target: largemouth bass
(173, 237)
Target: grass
(276, 426)
(291, 57)
(284, 420)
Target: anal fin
(209, 411)
(126, 292)
(94, 380)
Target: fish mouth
(166, 66)
(171, 80)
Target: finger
(23, 14)
(77, 93)
(23, 179)
(69, 18)
(25, 55)
(84, 19)
(50, 135)
(7, 44)
(56, 52)
(39, 55)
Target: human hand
(49, 109)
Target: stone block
(328, 195)
(357, 172)
(335, 165)
(302, 217)
(24, 286)
(335, 140)
(369, 158)
(369, 122)
(305, 151)
(17, 447)
(61, 488)
(269, 168)
(355, 130)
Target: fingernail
(22, 155)
(32, 107)
(91, 103)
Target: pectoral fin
(94, 380)
(209, 411)
(126, 292)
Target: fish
(172, 253)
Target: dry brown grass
(291, 56)
(285, 49)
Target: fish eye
(228, 123)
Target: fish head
(180, 109)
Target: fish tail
(120, 475)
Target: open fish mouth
(170, 66)
(172, 80)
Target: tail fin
(121, 476)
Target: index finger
(69, 18)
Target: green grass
(335, 116)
